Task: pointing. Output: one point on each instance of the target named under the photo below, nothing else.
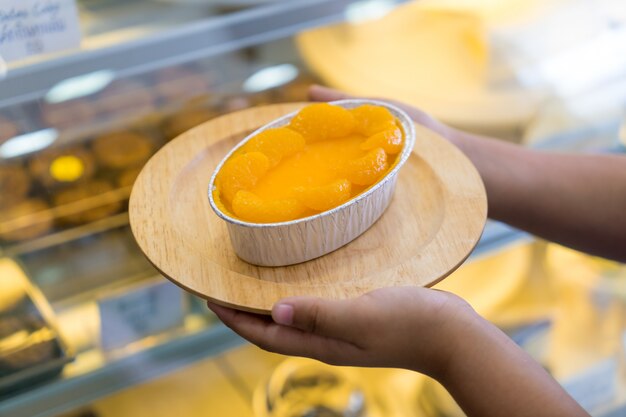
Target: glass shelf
(95, 374)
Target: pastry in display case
(31, 349)
(123, 99)
(127, 177)
(26, 220)
(69, 185)
(177, 84)
(69, 114)
(124, 149)
(199, 110)
(14, 185)
(62, 166)
(184, 120)
(88, 202)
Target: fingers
(261, 331)
(328, 318)
(245, 324)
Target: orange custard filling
(326, 156)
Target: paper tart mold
(300, 240)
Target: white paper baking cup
(292, 242)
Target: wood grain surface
(434, 221)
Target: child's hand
(437, 333)
(425, 330)
(401, 327)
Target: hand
(401, 327)
(429, 331)
(434, 332)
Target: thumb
(330, 318)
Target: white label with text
(142, 312)
(33, 27)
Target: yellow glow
(443, 52)
(67, 168)
(492, 10)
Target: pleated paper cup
(292, 242)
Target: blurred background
(95, 87)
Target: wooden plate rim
(247, 120)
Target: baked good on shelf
(120, 150)
(33, 346)
(26, 220)
(177, 84)
(8, 129)
(184, 120)
(87, 202)
(62, 166)
(14, 185)
(125, 98)
(71, 113)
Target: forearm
(489, 376)
(576, 200)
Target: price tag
(33, 27)
(139, 313)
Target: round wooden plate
(434, 221)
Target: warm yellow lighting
(67, 168)
(496, 11)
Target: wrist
(463, 335)
(457, 324)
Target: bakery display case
(89, 327)
(565, 308)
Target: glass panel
(106, 23)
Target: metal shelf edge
(65, 395)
